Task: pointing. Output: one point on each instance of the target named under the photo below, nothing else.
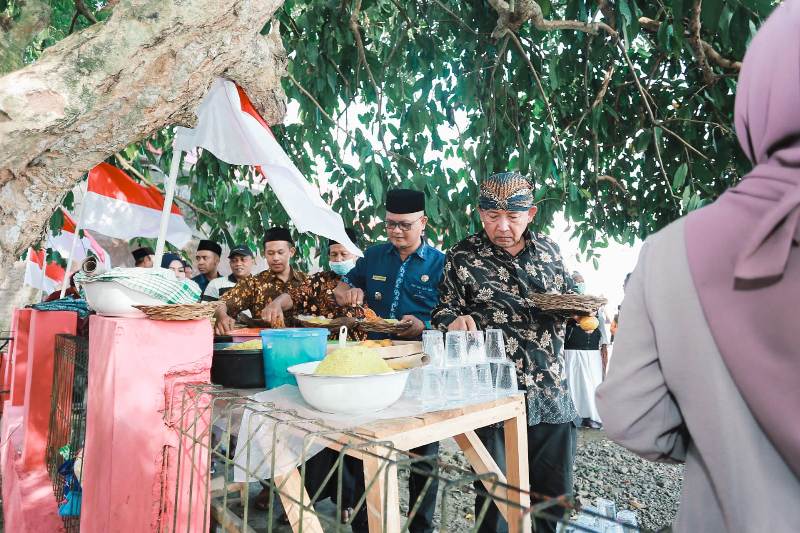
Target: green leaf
(680, 176)
(710, 15)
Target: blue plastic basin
(283, 348)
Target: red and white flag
(229, 127)
(62, 243)
(117, 206)
(48, 281)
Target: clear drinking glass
(495, 345)
(453, 384)
(485, 378)
(506, 381)
(433, 346)
(414, 383)
(476, 347)
(455, 346)
(432, 395)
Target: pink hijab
(743, 249)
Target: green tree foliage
(624, 123)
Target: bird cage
(67, 430)
(258, 467)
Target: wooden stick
(516, 436)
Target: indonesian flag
(117, 206)
(62, 243)
(50, 280)
(229, 127)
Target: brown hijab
(742, 249)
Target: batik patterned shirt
(315, 297)
(486, 282)
(256, 292)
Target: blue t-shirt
(394, 288)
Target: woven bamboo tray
(332, 324)
(197, 311)
(567, 304)
(381, 326)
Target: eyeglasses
(403, 226)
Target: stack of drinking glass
(463, 364)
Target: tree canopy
(620, 111)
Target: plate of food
(567, 304)
(375, 324)
(312, 321)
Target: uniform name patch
(378, 278)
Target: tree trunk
(115, 83)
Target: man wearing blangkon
(487, 279)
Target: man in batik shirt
(487, 280)
(315, 295)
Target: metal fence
(238, 447)
(67, 431)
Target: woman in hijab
(706, 366)
(173, 262)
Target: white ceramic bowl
(109, 298)
(349, 395)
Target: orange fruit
(589, 323)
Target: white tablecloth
(256, 433)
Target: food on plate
(383, 343)
(316, 320)
(254, 344)
(370, 315)
(245, 332)
(278, 323)
(352, 361)
(588, 323)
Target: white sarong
(584, 375)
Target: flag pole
(75, 238)
(44, 271)
(169, 193)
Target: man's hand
(347, 296)
(273, 314)
(463, 323)
(604, 358)
(223, 324)
(414, 330)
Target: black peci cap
(278, 234)
(350, 233)
(210, 246)
(404, 201)
(140, 253)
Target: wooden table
(383, 498)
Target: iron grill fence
(67, 432)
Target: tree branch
(694, 42)
(709, 51)
(81, 8)
(512, 17)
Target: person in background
(187, 269)
(71, 292)
(207, 259)
(143, 257)
(315, 295)
(256, 292)
(706, 365)
(399, 279)
(585, 358)
(174, 263)
(241, 260)
(487, 279)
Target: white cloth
(584, 375)
(257, 430)
(213, 287)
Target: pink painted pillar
(45, 325)
(19, 357)
(137, 369)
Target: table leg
(383, 495)
(517, 474)
(482, 462)
(291, 484)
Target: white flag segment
(53, 274)
(62, 243)
(117, 206)
(229, 127)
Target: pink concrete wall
(44, 326)
(137, 368)
(20, 328)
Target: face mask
(343, 267)
(580, 288)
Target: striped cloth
(65, 304)
(159, 283)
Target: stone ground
(602, 470)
